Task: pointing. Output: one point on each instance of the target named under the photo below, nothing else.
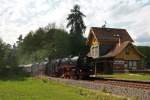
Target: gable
(92, 39)
(129, 53)
(119, 51)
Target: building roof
(119, 48)
(112, 34)
(119, 39)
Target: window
(132, 64)
(95, 51)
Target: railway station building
(113, 50)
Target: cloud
(143, 38)
(21, 16)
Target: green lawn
(37, 89)
(137, 76)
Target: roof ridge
(109, 28)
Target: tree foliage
(46, 42)
(75, 21)
(8, 58)
(2, 54)
(145, 51)
(77, 28)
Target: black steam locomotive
(79, 67)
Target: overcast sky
(21, 16)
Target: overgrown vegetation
(37, 89)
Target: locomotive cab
(84, 67)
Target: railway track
(123, 88)
(125, 83)
(144, 85)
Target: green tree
(27, 45)
(8, 60)
(145, 51)
(47, 42)
(75, 21)
(20, 39)
(10, 57)
(77, 28)
(2, 54)
(61, 43)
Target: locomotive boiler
(78, 67)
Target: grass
(42, 89)
(130, 76)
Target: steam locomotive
(78, 67)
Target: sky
(21, 16)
